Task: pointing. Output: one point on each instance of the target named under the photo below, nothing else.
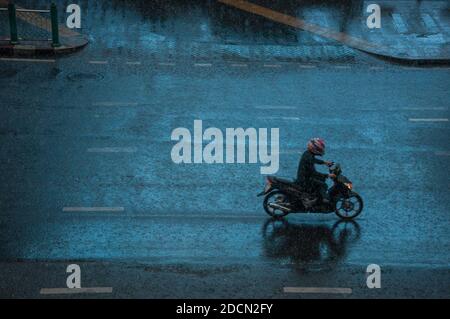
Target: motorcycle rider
(307, 176)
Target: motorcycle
(283, 196)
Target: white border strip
(317, 290)
(66, 291)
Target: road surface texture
(87, 176)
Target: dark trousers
(319, 187)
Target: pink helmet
(316, 146)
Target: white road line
(112, 150)
(114, 104)
(133, 63)
(93, 209)
(166, 63)
(422, 108)
(400, 25)
(342, 67)
(317, 290)
(272, 66)
(376, 68)
(275, 107)
(442, 153)
(280, 118)
(292, 152)
(203, 65)
(414, 68)
(66, 291)
(239, 65)
(307, 66)
(429, 120)
(98, 62)
(28, 60)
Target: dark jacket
(306, 172)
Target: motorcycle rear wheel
(275, 197)
(350, 207)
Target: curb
(355, 42)
(68, 45)
(408, 60)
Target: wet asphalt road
(93, 130)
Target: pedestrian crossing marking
(429, 23)
(302, 24)
(400, 25)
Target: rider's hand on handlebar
(332, 176)
(329, 163)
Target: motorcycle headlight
(349, 185)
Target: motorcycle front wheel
(349, 207)
(275, 197)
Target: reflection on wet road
(309, 247)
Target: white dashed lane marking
(442, 153)
(112, 150)
(284, 118)
(114, 104)
(203, 65)
(93, 209)
(422, 108)
(98, 62)
(66, 291)
(275, 107)
(317, 290)
(272, 65)
(429, 120)
(342, 67)
(307, 66)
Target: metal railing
(13, 23)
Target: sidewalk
(411, 31)
(416, 31)
(33, 23)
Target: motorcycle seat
(284, 180)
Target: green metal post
(14, 39)
(55, 29)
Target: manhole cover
(84, 76)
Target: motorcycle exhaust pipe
(277, 206)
